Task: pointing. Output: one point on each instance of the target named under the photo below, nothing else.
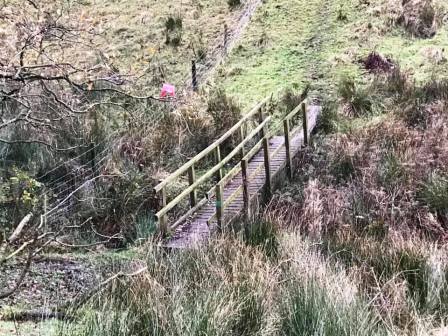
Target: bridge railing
(244, 163)
(264, 131)
(189, 167)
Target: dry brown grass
(373, 174)
(420, 18)
(374, 197)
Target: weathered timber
(198, 227)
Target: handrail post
(163, 220)
(286, 129)
(305, 124)
(219, 206)
(191, 181)
(261, 117)
(246, 196)
(267, 166)
(242, 137)
(218, 160)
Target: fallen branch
(25, 269)
(34, 315)
(19, 228)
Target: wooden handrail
(182, 170)
(212, 171)
(246, 156)
(262, 143)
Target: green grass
(310, 310)
(301, 36)
(230, 288)
(434, 193)
(294, 42)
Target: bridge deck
(196, 230)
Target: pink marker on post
(168, 90)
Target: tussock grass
(434, 193)
(358, 101)
(230, 288)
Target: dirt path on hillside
(314, 47)
(217, 53)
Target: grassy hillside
(291, 43)
(155, 40)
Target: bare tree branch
(19, 281)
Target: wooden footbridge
(262, 157)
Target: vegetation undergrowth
(230, 288)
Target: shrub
(173, 30)
(357, 100)
(343, 168)
(419, 18)
(397, 83)
(328, 119)
(173, 23)
(290, 100)
(309, 310)
(342, 15)
(391, 172)
(434, 193)
(263, 234)
(225, 113)
(234, 3)
(224, 110)
(377, 63)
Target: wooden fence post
(246, 196)
(219, 206)
(163, 221)
(194, 79)
(242, 136)
(191, 181)
(219, 174)
(288, 148)
(43, 217)
(260, 120)
(267, 166)
(305, 124)
(226, 38)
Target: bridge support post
(194, 79)
(286, 129)
(242, 136)
(163, 220)
(305, 124)
(218, 160)
(191, 181)
(226, 38)
(267, 166)
(246, 196)
(219, 206)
